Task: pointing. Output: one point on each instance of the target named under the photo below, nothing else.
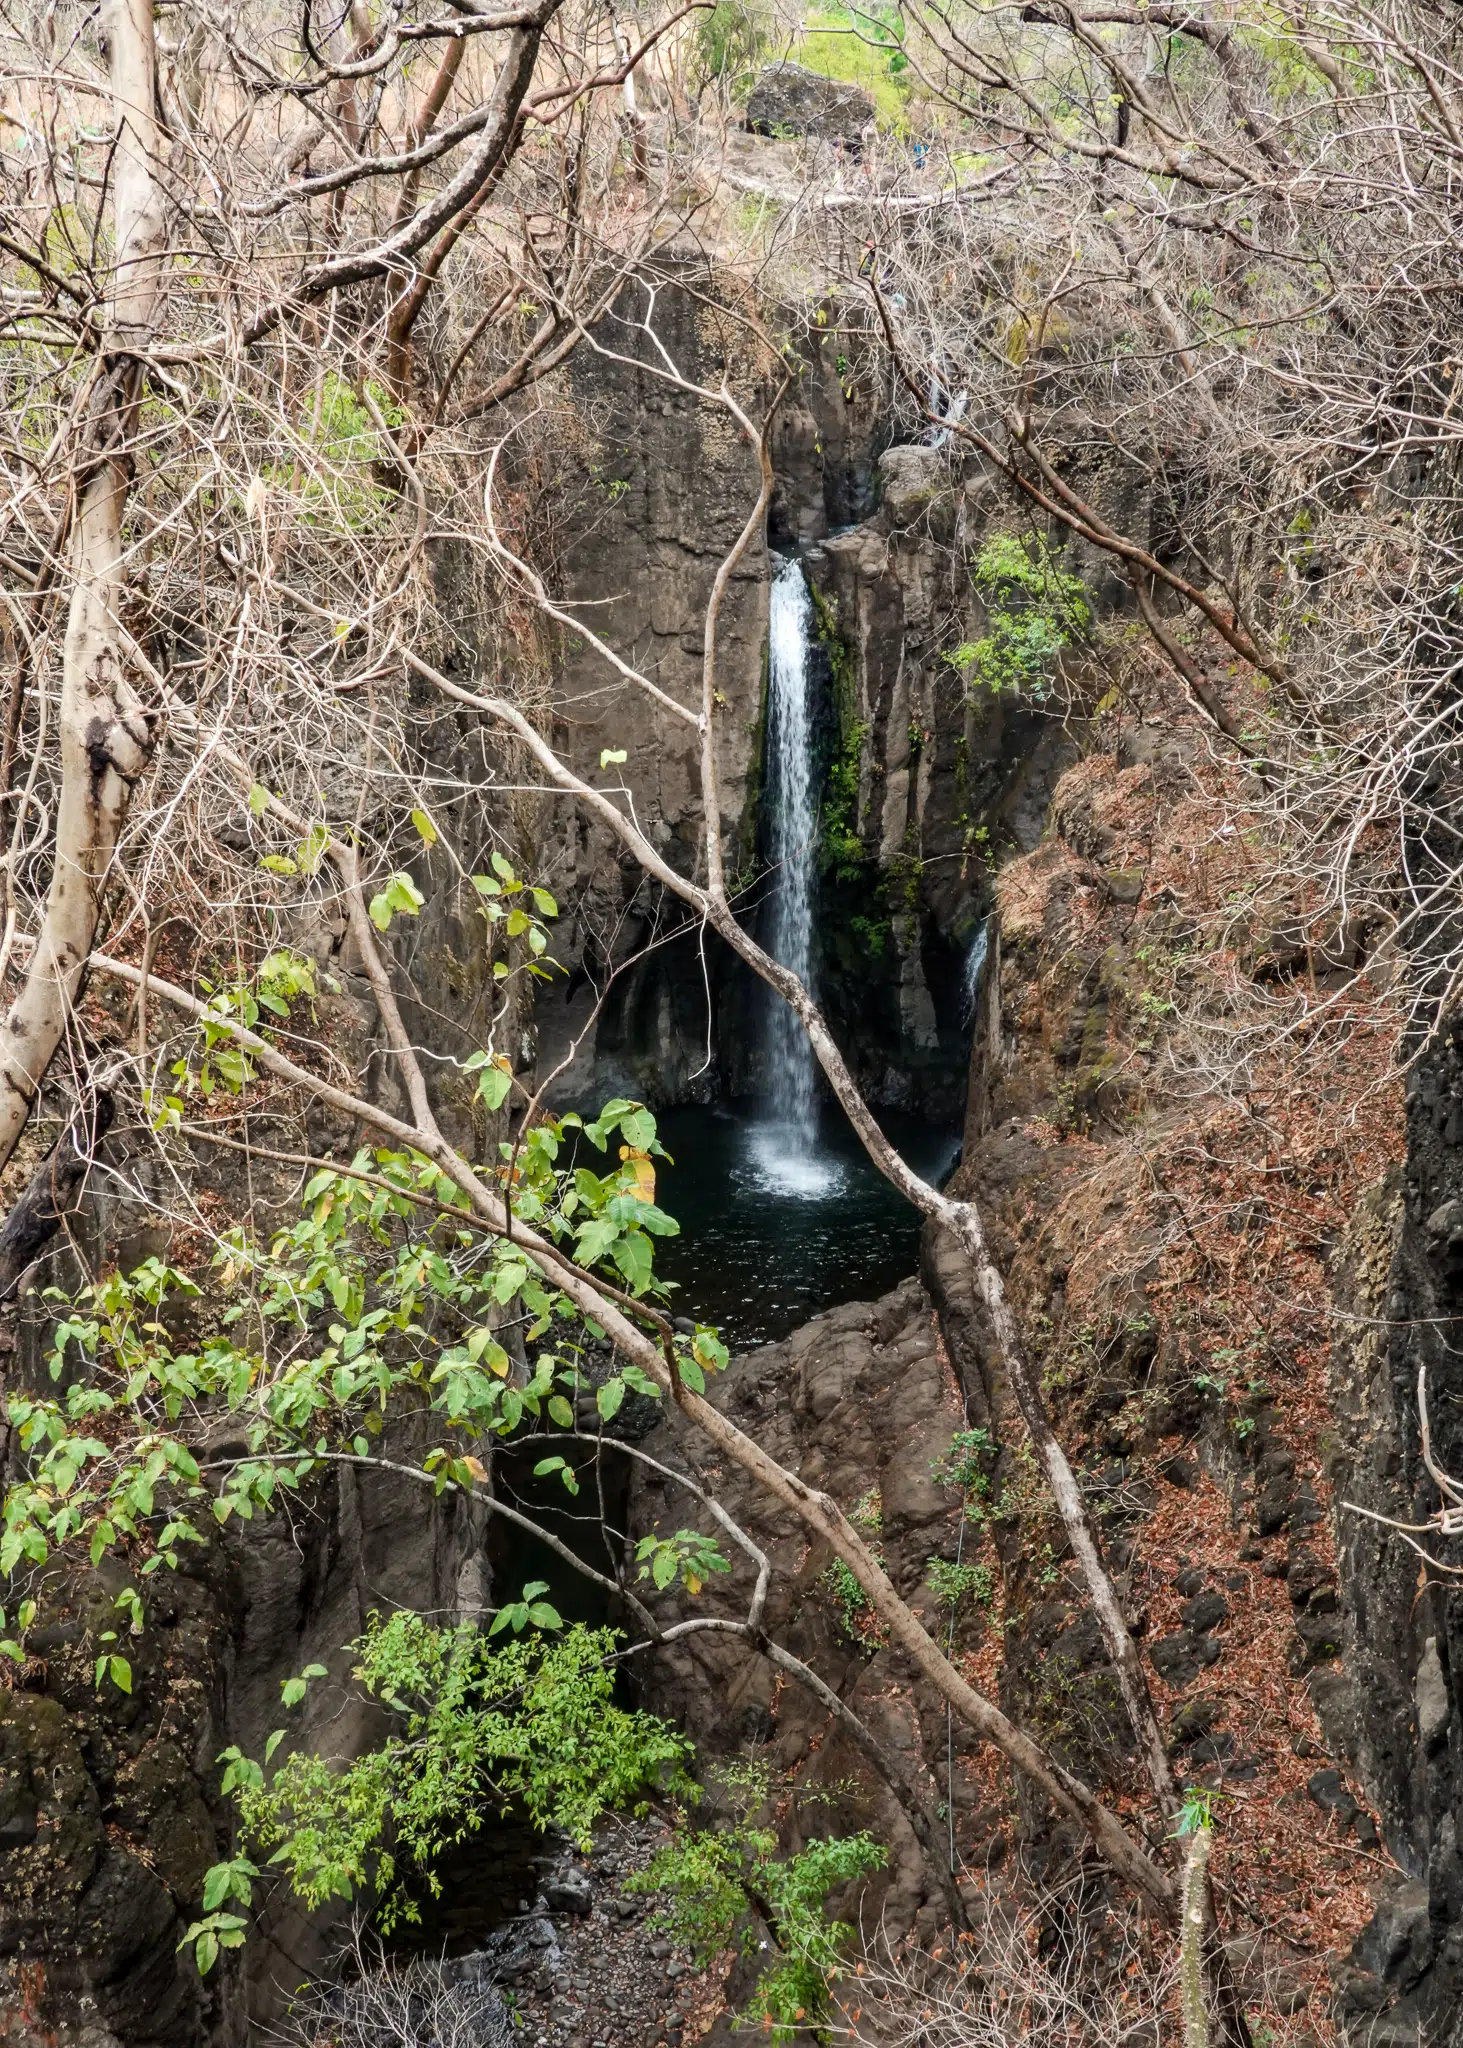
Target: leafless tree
(1177, 279)
(1045, 1971)
(277, 335)
(381, 2003)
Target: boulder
(911, 478)
(1196, 1718)
(788, 99)
(1204, 1612)
(1178, 1659)
(568, 1891)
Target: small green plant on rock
(721, 1887)
(953, 1584)
(961, 1468)
(848, 1596)
(868, 1512)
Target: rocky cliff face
(1398, 1717)
(923, 786)
(109, 1807)
(1172, 1251)
(671, 482)
(860, 1402)
(931, 783)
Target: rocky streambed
(581, 1964)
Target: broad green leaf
(494, 1084)
(400, 894)
(311, 848)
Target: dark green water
(778, 1225)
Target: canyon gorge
(729, 1098)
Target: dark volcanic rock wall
(940, 783)
(1401, 1715)
(109, 1808)
(923, 787)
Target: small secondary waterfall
(975, 966)
(791, 798)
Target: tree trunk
(1191, 1941)
(105, 733)
(53, 1193)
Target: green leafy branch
(688, 1556)
(530, 1724)
(342, 1313)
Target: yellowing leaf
(425, 827)
(644, 1172)
(476, 1467)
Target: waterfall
(792, 803)
(784, 1147)
(975, 966)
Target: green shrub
(1034, 610)
(953, 1584)
(530, 1723)
(711, 1882)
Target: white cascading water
(975, 966)
(785, 1143)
